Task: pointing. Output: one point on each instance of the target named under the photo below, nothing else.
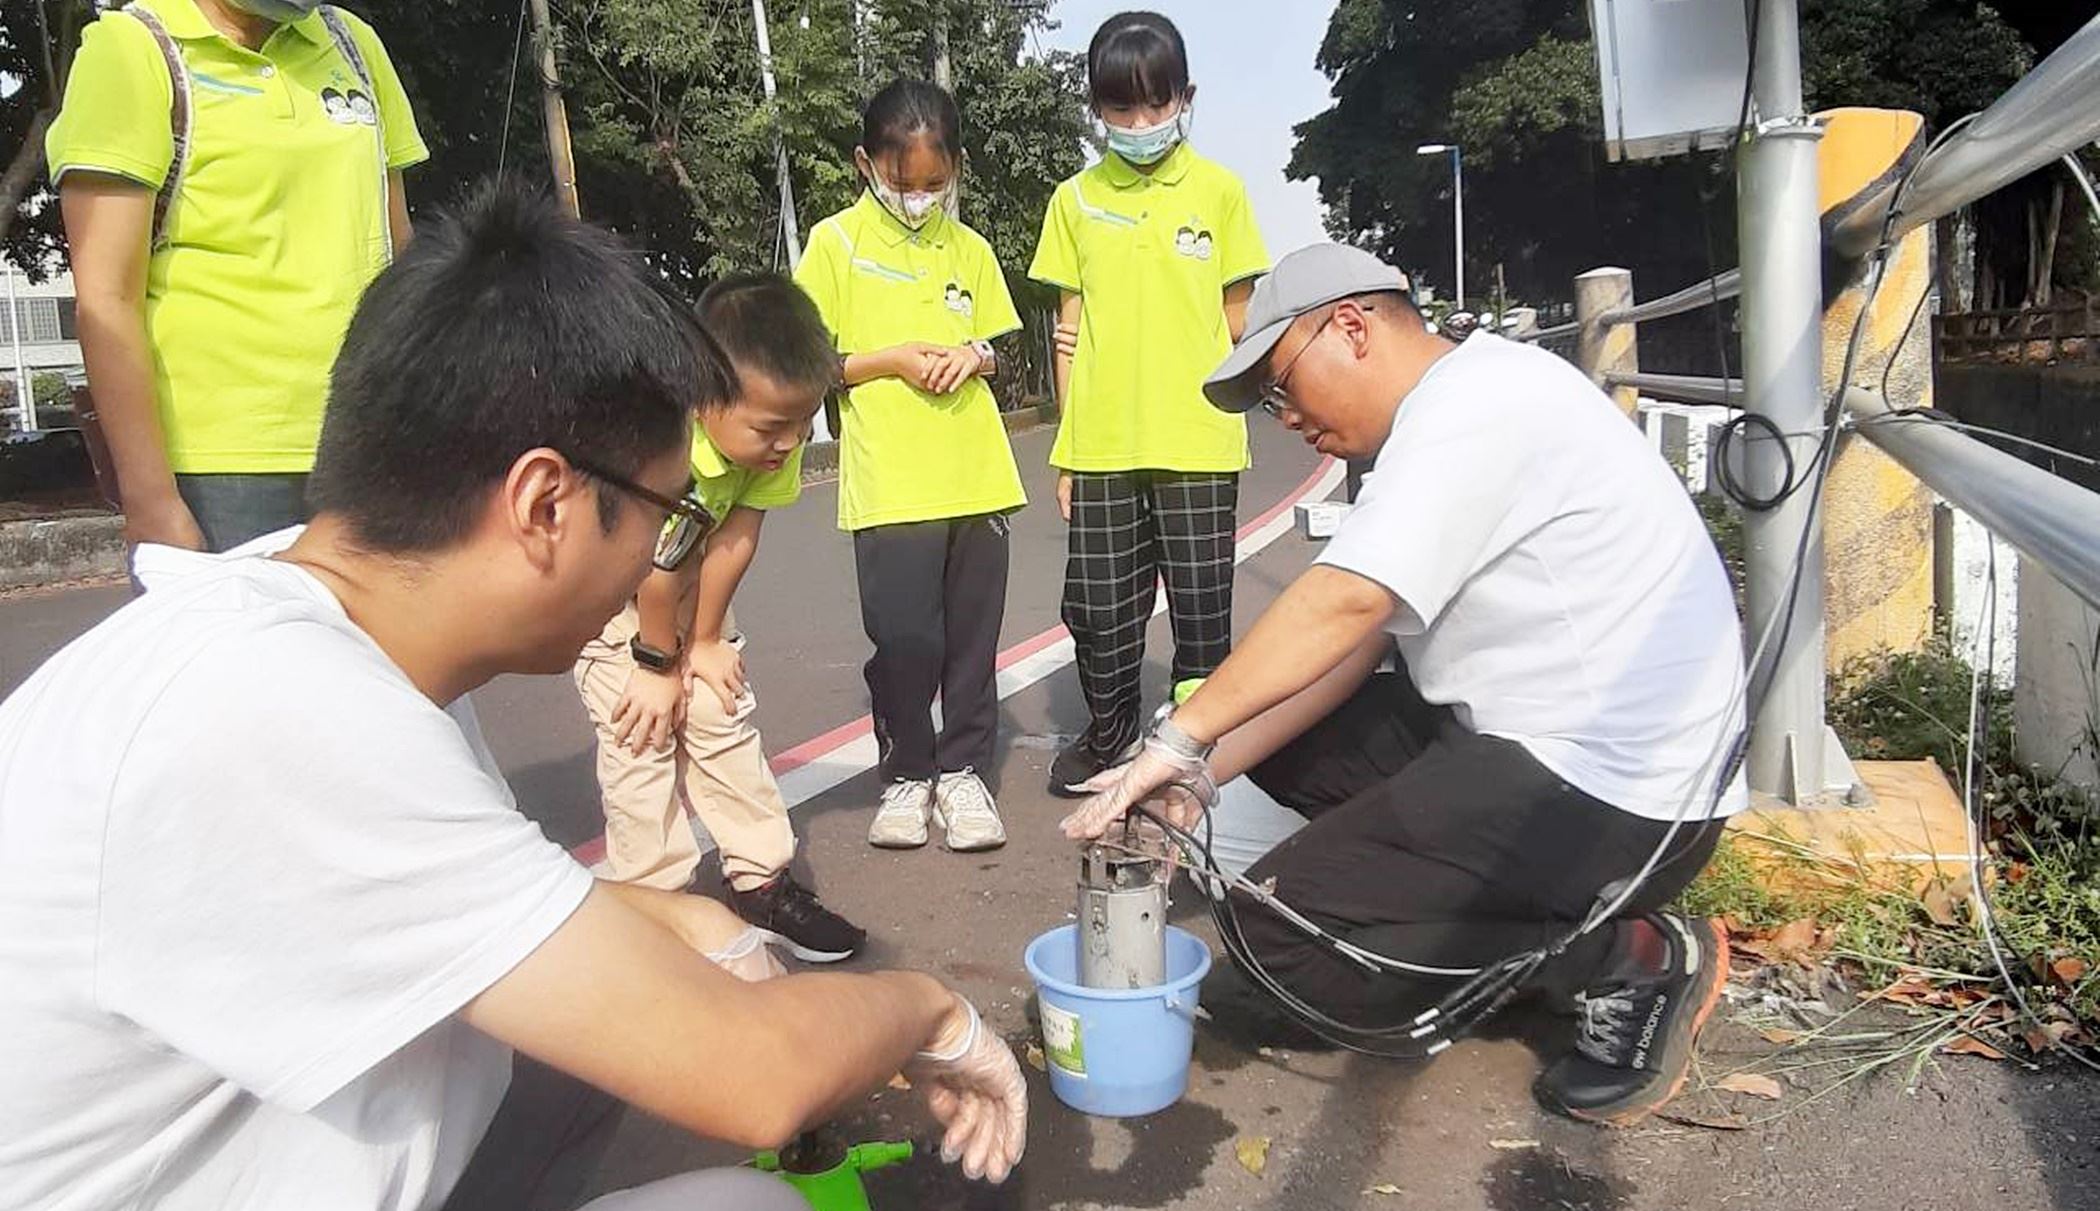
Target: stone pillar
(1603, 349)
(1877, 518)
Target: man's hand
(1178, 787)
(717, 664)
(1066, 338)
(162, 519)
(975, 1089)
(1064, 495)
(650, 711)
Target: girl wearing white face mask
(1155, 251)
(926, 475)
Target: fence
(2032, 335)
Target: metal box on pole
(1672, 74)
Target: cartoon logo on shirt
(351, 108)
(960, 301)
(1193, 242)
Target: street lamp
(1458, 214)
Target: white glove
(975, 1089)
(1163, 774)
(748, 958)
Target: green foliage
(50, 389)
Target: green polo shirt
(723, 485)
(1150, 256)
(280, 222)
(905, 455)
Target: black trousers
(932, 595)
(1129, 531)
(543, 1147)
(1433, 844)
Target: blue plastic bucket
(1117, 1052)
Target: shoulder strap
(346, 46)
(180, 110)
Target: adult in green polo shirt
(1155, 250)
(216, 280)
(926, 474)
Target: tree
(37, 41)
(1515, 83)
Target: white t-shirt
(248, 876)
(1556, 586)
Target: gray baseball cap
(1311, 277)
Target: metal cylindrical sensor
(1122, 919)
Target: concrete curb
(44, 551)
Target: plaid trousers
(1129, 530)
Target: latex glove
(748, 958)
(974, 1087)
(650, 710)
(1180, 788)
(719, 666)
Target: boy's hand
(1067, 340)
(651, 710)
(1064, 495)
(720, 666)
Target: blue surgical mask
(1149, 144)
(280, 11)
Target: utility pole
(790, 226)
(943, 68)
(1792, 757)
(25, 390)
(561, 156)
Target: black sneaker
(790, 914)
(1634, 1048)
(1078, 762)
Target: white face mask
(914, 210)
(1148, 144)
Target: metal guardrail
(1699, 294)
(2046, 517)
(1684, 388)
(2048, 114)
(1556, 332)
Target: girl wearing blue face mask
(1154, 250)
(926, 475)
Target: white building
(38, 334)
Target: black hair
(906, 109)
(765, 322)
(505, 326)
(1136, 59)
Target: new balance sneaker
(1638, 1022)
(790, 914)
(1078, 762)
(900, 823)
(967, 814)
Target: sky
(1252, 64)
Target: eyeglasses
(686, 520)
(1272, 399)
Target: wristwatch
(655, 659)
(987, 358)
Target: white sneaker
(900, 823)
(967, 813)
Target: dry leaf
(1512, 1145)
(2016, 873)
(1384, 1188)
(1794, 940)
(1938, 901)
(1035, 1058)
(898, 1082)
(1780, 1037)
(2068, 971)
(1727, 1122)
(1756, 1084)
(1967, 1045)
(1253, 1151)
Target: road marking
(845, 752)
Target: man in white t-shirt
(1565, 698)
(270, 921)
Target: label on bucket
(1063, 1044)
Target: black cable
(1724, 472)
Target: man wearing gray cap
(1506, 691)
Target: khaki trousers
(715, 767)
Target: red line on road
(819, 747)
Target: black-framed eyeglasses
(1272, 399)
(686, 521)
